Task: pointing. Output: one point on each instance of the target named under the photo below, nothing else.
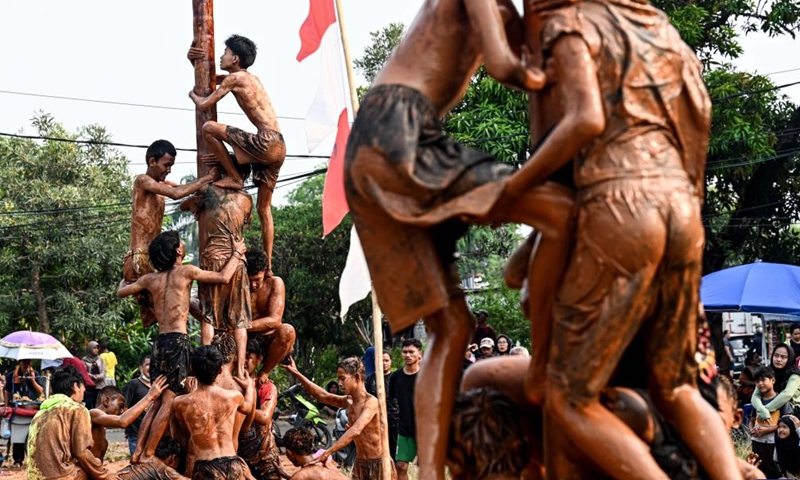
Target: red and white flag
(328, 113)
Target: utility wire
(89, 209)
(124, 104)
(115, 144)
(755, 207)
(782, 71)
(754, 92)
(778, 155)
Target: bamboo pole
(377, 328)
(204, 84)
(348, 60)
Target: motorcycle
(306, 415)
(345, 457)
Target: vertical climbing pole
(204, 82)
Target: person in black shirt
(134, 391)
(392, 411)
(401, 389)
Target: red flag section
(334, 202)
(321, 15)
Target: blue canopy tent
(756, 288)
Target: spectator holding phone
(21, 384)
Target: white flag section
(355, 283)
(323, 116)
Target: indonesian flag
(320, 33)
(328, 112)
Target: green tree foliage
(384, 41)
(751, 209)
(751, 197)
(64, 223)
(714, 27)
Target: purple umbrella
(25, 344)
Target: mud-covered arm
(369, 412)
(315, 390)
(749, 472)
(501, 62)
(204, 103)
(173, 191)
(264, 414)
(247, 405)
(224, 275)
(130, 415)
(583, 119)
(126, 289)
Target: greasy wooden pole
(377, 328)
(204, 83)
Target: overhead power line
(754, 92)
(116, 144)
(124, 104)
(782, 71)
(89, 209)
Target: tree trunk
(41, 301)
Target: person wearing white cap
(487, 348)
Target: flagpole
(377, 327)
(348, 59)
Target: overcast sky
(135, 52)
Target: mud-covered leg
(264, 209)
(449, 332)
(214, 133)
(280, 346)
(672, 369)
(159, 426)
(548, 209)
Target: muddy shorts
(370, 470)
(635, 270)
(135, 265)
(267, 148)
(410, 189)
(171, 358)
(223, 468)
(260, 453)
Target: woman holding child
(787, 384)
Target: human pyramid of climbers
(616, 255)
